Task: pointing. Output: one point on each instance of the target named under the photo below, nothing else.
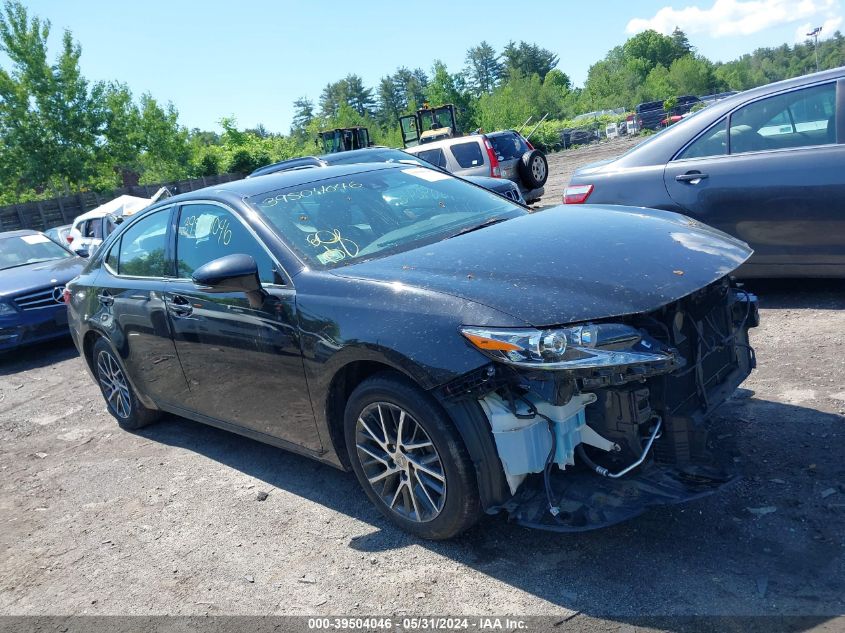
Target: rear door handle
(179, 306)
(105, 298)
(692, 177)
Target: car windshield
(19, 250)
(340, 221)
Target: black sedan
(33, 273)
(453, 350)
(766, 165)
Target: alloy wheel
(400, 462)
(538, 168)
(114, 385)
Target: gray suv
(504, 154)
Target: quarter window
(714, 142)
(207, 232)
(468, 154)
(143, 247)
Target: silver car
(503, 154)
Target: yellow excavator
(429, 124)
(343, 139)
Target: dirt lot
(94, 520)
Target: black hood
(31, 277)
(569, 263)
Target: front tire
(410, 459)
(117, 391)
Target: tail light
(495, 170)
(66, 295)
(528, 143)
(577, 194)
(69, 239)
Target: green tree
(348, 91)
(691, 75)
(391, 102)
(483, 69)
(303, 114)
(49, 116)
(657, 86)
(528, 59)
(655, 48)
(445, 87)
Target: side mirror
(83, 252)
(232, 273)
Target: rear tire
(410, 459)
(533, 169)
(117, 391)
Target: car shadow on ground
(671, 561)
(37, 355)
(799, 293)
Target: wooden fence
(45, 214)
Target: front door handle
(105, 298)
(179, 306)
(692, 177)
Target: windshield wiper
(475, 227)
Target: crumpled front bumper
(585, 451)
(588, 502)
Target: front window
(339, 221)
(208, 232)
(21, 250)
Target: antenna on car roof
(536, 126)
(524, 124)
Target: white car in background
(90, 229)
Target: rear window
(468, 154)
(508, 146)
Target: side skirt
(264, 438)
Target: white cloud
(742, 17)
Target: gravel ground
(95, 520)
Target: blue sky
(251, 59)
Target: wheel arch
(468, 418)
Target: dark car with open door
(766, 165)
(458, 353)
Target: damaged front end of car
(596, 421)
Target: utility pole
(815, 35)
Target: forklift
(343, 139)
(429, 124)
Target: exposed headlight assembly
(578, 347)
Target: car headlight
(578, 347)
(6, 309)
